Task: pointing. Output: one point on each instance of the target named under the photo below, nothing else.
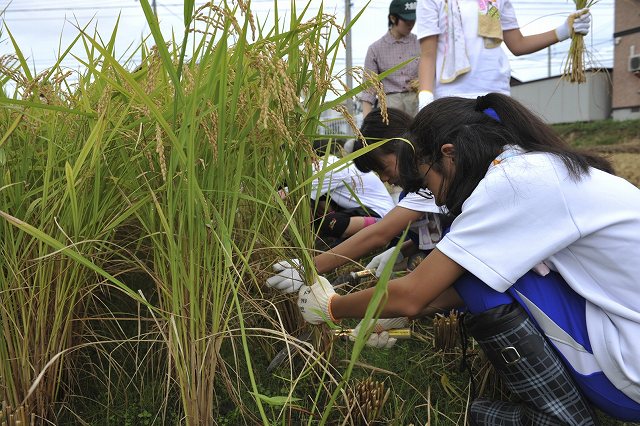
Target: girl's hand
(315, 301)
(379, 337)
(380, 261)
(289, 276)
(578, 22)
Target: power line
(73, 8)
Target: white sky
(42, 27)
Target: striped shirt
(386, 53)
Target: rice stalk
(366, 400)
(574, 65)
(59, 212)
(241, 129)
(192, 153)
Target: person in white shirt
(416, 210)
(345, 199)
(460, 45)
(564, 339)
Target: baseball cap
(405, 9)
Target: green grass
(602, 132)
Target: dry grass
(625, 158)
(627, 165)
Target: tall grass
(169, 166)
(59, 210)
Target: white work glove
(379, 337)
(289, 276)
(315, 301)
(425, 97)
(578, 22)
(380, 261)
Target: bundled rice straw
(574, 65)
(446, 330)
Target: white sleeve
(513, 220)
(428, 18)
(508, 19)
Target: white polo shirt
(526, 210)
(413, 201)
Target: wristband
(369, 220)
(329, 311)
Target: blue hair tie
(492, 113)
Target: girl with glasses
(563, 338)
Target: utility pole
(153, 6)
(348, 59)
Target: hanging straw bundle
(574, 64)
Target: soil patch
(631, 147)
(627, 165)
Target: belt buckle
(510, 355)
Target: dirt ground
(625, 158)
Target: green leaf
(275, 401)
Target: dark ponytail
(478, 129)
(536, 135)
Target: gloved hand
(379, 337)
(380, 261)
(578, 22)
(425, 97)
(315, 301)
(289, 276)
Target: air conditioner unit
(634, 63)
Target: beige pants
(405, 101)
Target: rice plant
(167, 164)
(59, 210)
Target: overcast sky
(42, 27)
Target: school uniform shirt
(386, 53)
(527, 209)
(349, 188)
(490, 70)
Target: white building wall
(334, 124)
(621, 114)
(558, 101)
